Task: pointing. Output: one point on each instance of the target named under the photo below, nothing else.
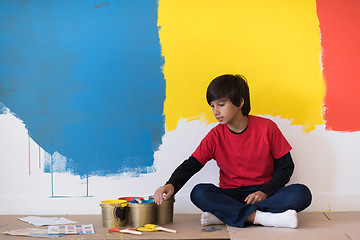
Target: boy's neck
(239, 125)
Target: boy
(254, 160)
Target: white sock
(286, 219)
(209, 219)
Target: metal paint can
(114, 213)
(128, 199)
(141, 213)
(164, 213)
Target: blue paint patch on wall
(86, 79)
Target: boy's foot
(286, 219)
(209, 219)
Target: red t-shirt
(244, 159)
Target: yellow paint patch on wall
(274, 44)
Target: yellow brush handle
(166, 229)
(160, 228)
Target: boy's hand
(168, 189)
(255, 197)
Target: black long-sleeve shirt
(283, 169)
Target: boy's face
(225, 111)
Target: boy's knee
(304, 196)
(199, 192)
(304, 191)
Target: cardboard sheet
(312, 226)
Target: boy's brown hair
(233, 87)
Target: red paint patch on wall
(340, 41)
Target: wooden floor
(315, 225)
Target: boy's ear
(241, 103)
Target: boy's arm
(184, 172)
(283, 169)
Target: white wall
(326, 161)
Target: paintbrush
(146, 229)
(138, 200)
(160, 228)
(125, 230)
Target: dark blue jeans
(228, 204)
